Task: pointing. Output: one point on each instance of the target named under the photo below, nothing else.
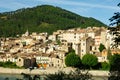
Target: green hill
(44, 18)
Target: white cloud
(79, 10)
(13, 5)
(75, 3)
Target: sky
(99, 9)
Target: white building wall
(83, 48)
(104, 38)
(91, 34)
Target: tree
(58, 42)
(105, 66)
(114, 67)
(101, 47)
(89, 60)
(73, 75)
(115, 31)
(115, 59)
(72, 60)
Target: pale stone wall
(20, 62)
(50, 71)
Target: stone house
(43, 60)
(55, 61)
(105, 53)
(26, 62)
(86, 45)
(48, 60)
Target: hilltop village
(51, 50)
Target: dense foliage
(115, 67)
(115, 31)
(8, 64)
(89, 60)
(101, 47)
(73, 60)
(115, 59)
(116, 18)
(105, 66)
(44, 18)
(77, 75)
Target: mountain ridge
(44, 18)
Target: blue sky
(98, 9)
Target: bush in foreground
(73, 60)
(77, 75)
(89, 60)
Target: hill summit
(44, 18)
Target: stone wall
(49, 71)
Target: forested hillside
(44, 18)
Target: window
(90, 48)
(95, 48)
(83, 44)
(74, 36)
(19, 59)
(82, 50)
